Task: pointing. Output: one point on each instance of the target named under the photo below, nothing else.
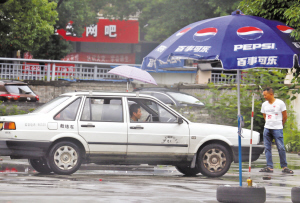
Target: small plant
(291, 134)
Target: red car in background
(16, 91)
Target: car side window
(102, 110)
(151, 112)
(69, 113)
(163, 98)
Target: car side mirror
(179, 120)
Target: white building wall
(171, 78)
(105, 48)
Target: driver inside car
(135, 112)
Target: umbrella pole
(127, 86)
(250, 152)
(239, 126)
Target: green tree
(281, 10)
(55, 49)
(26, 24)
(81, 13)
(161, 18)
(222, 103)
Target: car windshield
(51, 104)
(185, 98)
(18, 89)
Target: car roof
(97, 93)
(161, 90)
(12, 82)
(154, 89)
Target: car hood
(228, 133)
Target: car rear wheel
(187, 170)
(65, 158)
(214, 160)
(40, 165)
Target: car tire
(40, 165)
(214, 160)
(65, 158)
(187, 170)
(241, 194)
(295, 194)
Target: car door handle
(88, 126)
(136, 127)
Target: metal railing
(29, 69)
(223, 78)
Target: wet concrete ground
(19, 183)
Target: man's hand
(264, 116)
(284, 117)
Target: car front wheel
(187, 170)
(40, 165)
(214, 160)
(65, 158)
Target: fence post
(95, 72)
(53, 72)
(80, 72)
(48, 72)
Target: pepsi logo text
(249, 33)
(203, 49)
(296, 44)
(205, 34)
(161, 48)
(258, 61)
(183, 31)
(249, 47)
(285, 29)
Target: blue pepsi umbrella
(236, 41)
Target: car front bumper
(257, 150)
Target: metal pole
(240, 140)
(53, 72)
(48, 72)
(250, 152)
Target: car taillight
(10, 96)
(9, 126)
(37, 97)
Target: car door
(157, 135)
(102, 125)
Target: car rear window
(51, 104)
(18, 89)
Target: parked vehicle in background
(171, 97)
(96, 127)
(16, 91)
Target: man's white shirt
(273, 113)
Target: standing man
(274, 112)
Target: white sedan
(94, 127)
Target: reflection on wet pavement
(20, 183)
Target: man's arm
(264, 116)
(284, 117)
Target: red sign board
(115, 31)
(101, 58)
